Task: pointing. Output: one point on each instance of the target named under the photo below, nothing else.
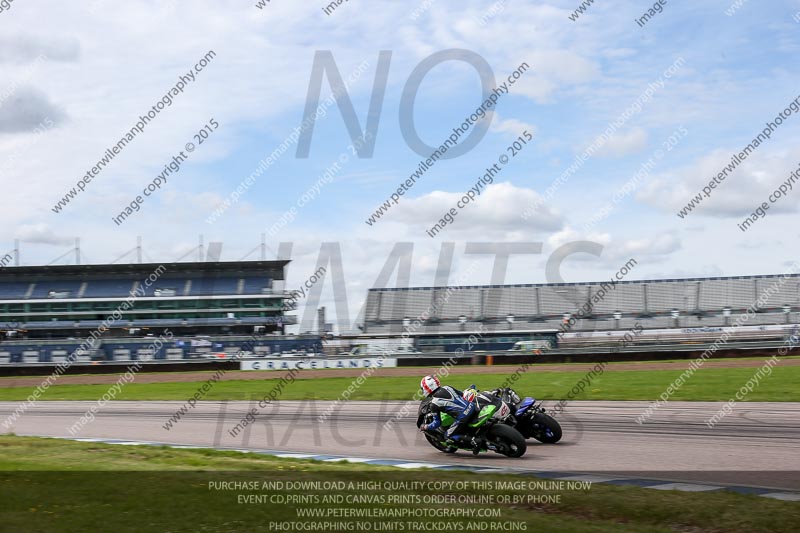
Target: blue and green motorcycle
(489, 426)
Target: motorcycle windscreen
(526, 403)
(485, 414)
(424, 409)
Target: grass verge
(56, 485)
(707, 384)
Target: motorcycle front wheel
(508, 440)
(548, 430)
(437, 443)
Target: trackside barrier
(428, 359)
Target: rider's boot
(477, 445)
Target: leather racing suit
(449, 400)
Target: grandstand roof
(139, 269)
(584, 283)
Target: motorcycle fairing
(524, 406)
(485, 414)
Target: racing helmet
(429, 384)
(470, 393)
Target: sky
(678, 98)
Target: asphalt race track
(756, 445)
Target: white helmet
(429, 384)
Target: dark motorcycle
(490, 425)
(530, 418)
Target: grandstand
(656, 304)
(47, 311)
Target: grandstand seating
(256, 285)
(120, 288)
(162, 322)
(69, 289)
(13, 290)
(203, 286)
(107, 288)
(213, 298)
(165, 282)
(699, 302)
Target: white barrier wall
(308, 363)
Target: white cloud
(28, 109)
(650, 246)
(654, 248)
(738, 195)
(41, 234)
(512, 126)
(24, 48)
(495, 212)
(619, 52)
(553, 70)
(625, 143)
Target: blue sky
(106, 63)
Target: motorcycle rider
(458, 404)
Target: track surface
(757, 445)
(183, 377)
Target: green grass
(423, 369)
(707, 384)
(55, 485)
